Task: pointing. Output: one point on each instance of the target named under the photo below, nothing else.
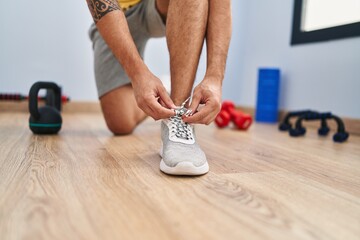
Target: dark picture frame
(300, 37)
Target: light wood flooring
(85, 183)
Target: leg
(162, 7)
(185, 33)
(117, 99)
(120, 110)
(186, 23)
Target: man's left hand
(208, 92)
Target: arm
(112, 25)
(218, 36)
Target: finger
(165, 98)
(148, 112)
(195, 103)
(162, 103)
(200, 116)
(206, 113)
(151, 106)
(159, 111)
(211, 116)
(154, 114)
(208, 120)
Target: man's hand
(208, 92)
(149, 93)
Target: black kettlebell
(46, 119)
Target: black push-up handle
(286, 125)
(340, 136)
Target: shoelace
(182, 110)
(178, 127)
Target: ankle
(178, 101)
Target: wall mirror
(323, 20)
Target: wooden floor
(87, 184)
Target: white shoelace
(180, 129)
(182, 110)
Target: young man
(129, 92)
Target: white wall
(48, 41)
(323, 76)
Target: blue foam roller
(267, 105)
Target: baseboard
(70, 107)
(352, 125)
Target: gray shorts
(144, 22)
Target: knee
(123, 127)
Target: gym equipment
(242, 121)
(286, 125)
(340, 136)
(324, 128)
(46, 119)
(222, 119)
(229, 113)
(20, 97)
(228, 106)
(268, 95)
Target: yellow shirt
(125, 4)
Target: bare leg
(185, 33)
(120, 110)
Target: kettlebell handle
(33, 97)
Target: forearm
(112, 25)
(218, 38)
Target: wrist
(214, 77)
(137, 72)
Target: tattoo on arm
(100, 8)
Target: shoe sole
(184, 168)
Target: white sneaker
(181, 155)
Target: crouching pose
(129, 92)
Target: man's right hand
(152, 98)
